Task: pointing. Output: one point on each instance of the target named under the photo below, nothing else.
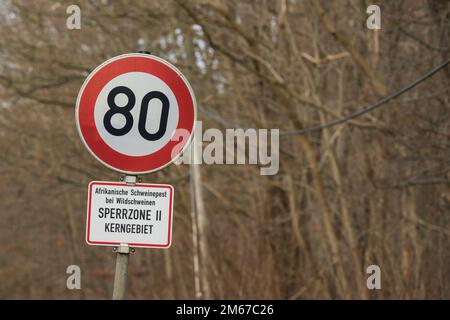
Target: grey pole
(120, 278)
(122, 258)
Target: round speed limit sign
(129, 110)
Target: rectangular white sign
(139, 215)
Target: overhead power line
(365, 110)
(368, 108)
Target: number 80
(125, 111)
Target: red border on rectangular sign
(138, 245)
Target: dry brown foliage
(373, 191)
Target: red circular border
(88, 130)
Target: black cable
(370, 107)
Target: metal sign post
(120, 278)
(122, 258)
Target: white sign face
(138, 215)
(158, 124)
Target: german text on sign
(138, 215)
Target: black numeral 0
(164, 115)
(125, 111)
